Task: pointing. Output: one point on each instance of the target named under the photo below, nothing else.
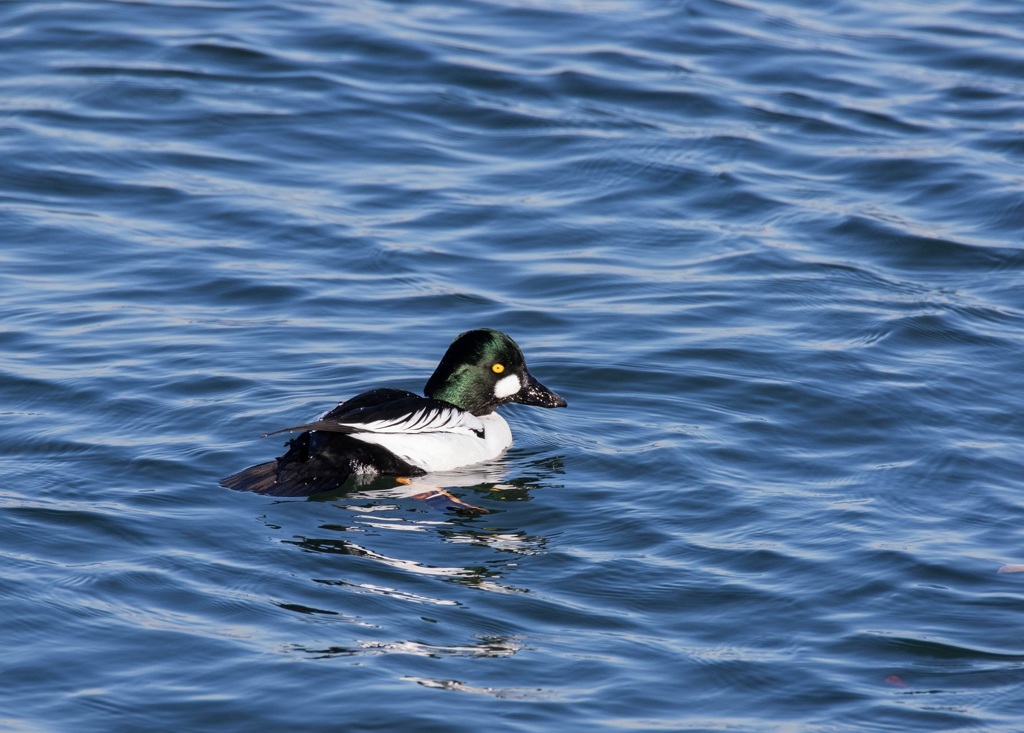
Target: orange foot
(450, 501)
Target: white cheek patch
(507, 386)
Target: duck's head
(484, 369)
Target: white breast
(445, 451)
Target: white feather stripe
(437, 451)
(426, 420)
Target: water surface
(770, 252)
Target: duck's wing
(394, 411)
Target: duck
(395, 432)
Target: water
(770, 252)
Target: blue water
(770, 252)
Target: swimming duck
(399, 433)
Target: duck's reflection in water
(406, 551)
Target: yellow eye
(497, 368)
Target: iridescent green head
(484, 369)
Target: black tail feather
(270, 480)
(257, 479)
